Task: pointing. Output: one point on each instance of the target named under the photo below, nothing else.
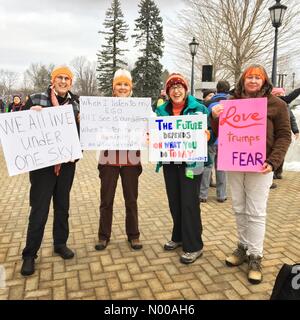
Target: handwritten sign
(242, 135)
(178, 138)
(37, 139)
(114, 123)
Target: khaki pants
(250, 193)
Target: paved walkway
(121, 273)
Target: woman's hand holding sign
(267, 168)
(36, 108)
(207, 134)
(217, 110)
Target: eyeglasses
(177, 86)
(61, 78)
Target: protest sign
(37, 139)
(114, 123)
(178, 138)
(242, 135)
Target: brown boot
(254, 269)
(135, 244)
(238, 256)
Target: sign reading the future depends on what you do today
(111, 123)
(242, 135)
(178, 138)
(37, 139)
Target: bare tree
(8, 82)
(86, 79)
(231, 33)
(286, 74)
(38, 76)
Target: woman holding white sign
(115, 163)
(250, 190)
(51, 182)
(183, 180)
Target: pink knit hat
(278, 92)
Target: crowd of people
(16, 105)
(186, 183)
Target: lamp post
(281, 79)
(277, 12)
(193, 49)
(293, 84)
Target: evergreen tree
(109, 58)
(149, 38)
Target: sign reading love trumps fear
(242, 135)
(178, 138)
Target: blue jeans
(220, 176)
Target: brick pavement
(121, 273)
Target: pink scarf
(55, 103)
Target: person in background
(183, 180)
(207, 94)
(162, 98)
(250, 190)
(127, 165)
(25, 100)
(16, 105)
(291, 96)
(2, 105)
(51, 182)
(223, 88)
(280, 92)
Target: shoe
(101, 245)
(135, 244)
(190, 257)
(222, 200)
(278, 176)
(202, 200)
(238, 256)
(254, 269)
(64, 252)
(273, 186)
(27, 266)
(172, 245)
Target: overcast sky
(56, 31)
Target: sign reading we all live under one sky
(242, 135)
(33, 140)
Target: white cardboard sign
(108, 123)
(37, 139)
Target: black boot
(64, 252)
(27, 266)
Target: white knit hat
(122, 75)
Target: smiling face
(17, 100)
(177, 93)
(62, 83)
(122, 89)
